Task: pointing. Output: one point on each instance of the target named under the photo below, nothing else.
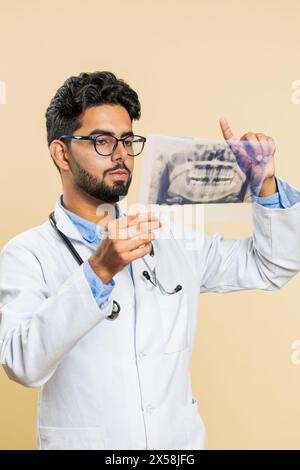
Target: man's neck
(88, 208)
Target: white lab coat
(124, 383)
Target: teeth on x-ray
(211, 173)
(202, 173)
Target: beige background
(191, 62)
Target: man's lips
(119, 174)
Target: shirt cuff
(272, 202)
(100, 290)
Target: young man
(109, 349)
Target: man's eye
(102, 142)
(128, 143)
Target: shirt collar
(77, 227)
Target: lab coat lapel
(65, 224)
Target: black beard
(99, 190)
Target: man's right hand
(127, 239)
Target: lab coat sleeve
(38, 329)
(267, 260)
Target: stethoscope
(149, 277)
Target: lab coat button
(142, 355)
(149, 409)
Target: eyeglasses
(106, 145)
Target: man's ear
(58, 152)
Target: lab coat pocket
(61, 438)
(174, 315)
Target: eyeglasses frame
(94, 139)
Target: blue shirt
(285, 197)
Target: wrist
(103, 274)
(269, 187)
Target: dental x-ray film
(187, 170)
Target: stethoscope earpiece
(155, 282)
(147, 276)
(178, 288)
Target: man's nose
(120, 152)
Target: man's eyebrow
(106, 132)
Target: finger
(272, 145)
(132, 231)
(140, 252)
(123, 248)
(226, 130)
(141, 217)
(233, 141)
(132, 220)
(135, 242)
(120, 222)
(264, 144)
(143, 228)
(252, 146)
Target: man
(110, 350)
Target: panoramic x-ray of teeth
(190, 171)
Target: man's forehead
(106, 116)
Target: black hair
(78, 93)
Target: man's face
(91, 172)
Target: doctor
(109, 349)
